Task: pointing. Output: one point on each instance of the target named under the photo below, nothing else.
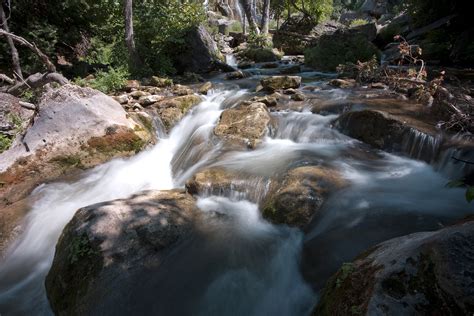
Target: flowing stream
(250, 267)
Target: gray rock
(280, 82)
(427, 273)
(107, 247)
(201, 52)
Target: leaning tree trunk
(134, 59)
(13, 51)
(247, 5)
(265, 16)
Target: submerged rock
(280, 82)
(428, 273)
(296, 199)
(245, 124)
(107, 247)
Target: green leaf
(470, 194)
(455, 183)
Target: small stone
(289, 91)
(138, 94)
(132, 85)
(161, 82)
(122, 99)
(378, 85)
(298, 97)
(150, 99)
(342, 83)
(204, 89)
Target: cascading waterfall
(250, 267)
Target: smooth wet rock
(107, 247)
(296, 199)
(138, 94)
(205, 87)
(236, 75)
(268, 100)
(170, 117)
(427, 273)
(274, 83)
(246, 124)
(269, 66)
(295, 69)
(298, 97)
(150, 99)
(342, 83)
(215, 181)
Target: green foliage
(469, 194)
(236, 27)
(358, 22)
(427, 11)
(259, 41)
(317, 10)
(332, 51)
(5, 142)
(106, 81)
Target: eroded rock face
(172, 109)
(298, 197)
(245, 124)
(107, 247)
(280, 82)
(76, 128)
(424, 273)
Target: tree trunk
(134, 59)
(14, 52)
(247, 5)
(265, 16)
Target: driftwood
(49, 65)
(36, 80)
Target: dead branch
(5, 78)
(27, 105)
(36, 80)
(49, 65)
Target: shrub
(106, 81)
(5, 142)
(330, 51)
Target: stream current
(251, 267)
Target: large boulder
(428, 273)
(245, 124)
(201, 54)
(390, 132)
(107, 248)
(274, 83)
(296, 198)
(75, 128)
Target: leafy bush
(330, 51)
(106, 81)
(259, 41)
(5, 142)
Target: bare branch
(49, 65)
(5, 78)
(35, 81)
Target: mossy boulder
(260, 55)
(245, 124)
(274, 83)
(427, 273)
(172, 109)
(295, 199)
(106, 247)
